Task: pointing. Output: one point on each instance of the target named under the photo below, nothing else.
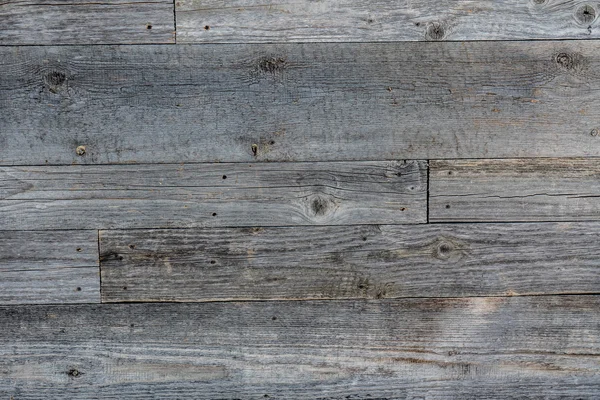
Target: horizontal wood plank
(197, 195)
(49, 267)
(27, 22)
(515, 190)
(381, 20)
(370, 262)
(484, 348)
(298, 102)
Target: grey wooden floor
(208, 199)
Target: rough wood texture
(483, 348)
(303, 102)
(79, 22)
(196, 195)
(383, 20)
(349, 262)
(515, 190)
(49, 267)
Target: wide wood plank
(197, 195)
(349, 262)
(515, 190)
(86, 22)
(49, 267)
(484, 348)
(298, 102)
(383, 20)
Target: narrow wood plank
(515, 190)
(298, 102)
(349, 262)
(196, 195)
(484, 348)
(27, 22)
(49, 267)
(382, 20)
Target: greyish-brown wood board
(298, 102)
(332, 200)
(370, 262)
(515, 190)
(485, 348)
(194, 195)
(382, 20)
(26, 22)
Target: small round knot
(435, 31)
(80, 150)
(585, 14)
(595, 132)
(319, 206)
(443, 250)
(272, 65)
(55, 78)
(565, 61)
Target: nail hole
(74, 373)
(224, 176)
(274, 318)
(364, 238)
(272, 142)
(80, 150)
(132, 325)
(149, 26)
(447, 205)
(214, 214)
(213, 262)
(78, 249)
(124, 287)
(449, 172)
(206, 27)
(132, 246)
(78, 289)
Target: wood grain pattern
(382, 20)
(370, 262)
(485, 348)
(27, 22)
(197, 195)
(515, 190)
(49, 267)
(298, 102)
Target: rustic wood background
(334, 200)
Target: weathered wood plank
(382, 20)
(484, 348)
(197, 195)
(515, 190)
(49, 267)
(27, 22)
(298, 102)
(349, 262)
